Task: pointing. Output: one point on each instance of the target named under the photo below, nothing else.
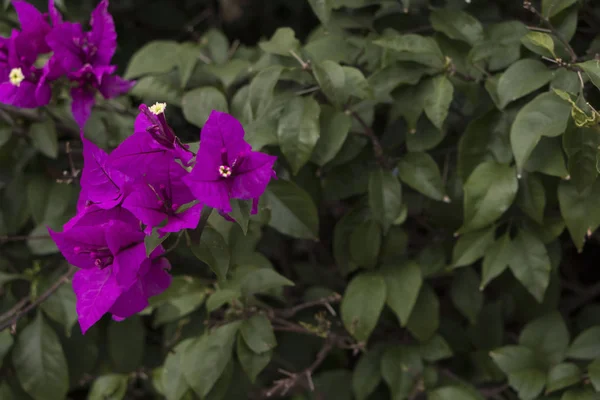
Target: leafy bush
(431, 232)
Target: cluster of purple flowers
(81, 57)
(151, 182)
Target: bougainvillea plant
(303, 200)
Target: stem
(377, 148)
(12, 316)
(528, 6)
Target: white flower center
(224, 171)
(158, 108)
(16, 76)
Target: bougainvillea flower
(21, 85)
(101, 184)
(153, 280)
(90, 80)
(112, 258)
(151, 140)
(226, 167)
(158, 195)
(34, 25)
(76, 48)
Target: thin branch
(11, 320)
(326, 301)
(377, 148)
(528, 6)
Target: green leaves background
(431, 233)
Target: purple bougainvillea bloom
(226, 167)
(21, 84)
(158, 195)
(154, 279)
(151, 140)
(101, 184)
(34, 26)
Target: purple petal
(43, 93)
(103, 34)
(96, 216)
(121, 235)
(213, 194)
(34, 25)
(84, 237)
(136, 154)
(61, 40)
(157, 279)
(102, 184)
(252, 176)
(187, 219)
(96, 291)
(55, 16)
(143, 203)
(113, 86)
(22, 96)
(131, 302)
(223, 131)
(83, 101)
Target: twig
(326, 301)
(528, 6)
(11, 321)
(377, 149)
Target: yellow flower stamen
(224, 171)
(158, 108)
(16, 76)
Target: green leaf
(531, 197)
(542, 40)
(579, 394)
(126, 343)
(217, 45)
(546, 115)
(156, 88)
(365, 244)
(451, 393)
(355, 84)
(154, 240)
(465, 294)
(40, 363)
(322, 9)
(6, 343)
(251, 362)
(367, 374)
(592, 69)
(411, 47)
(401, 366)
(548, 158)
(293, 212)
(61, 307)
(173, 376)
(332, 80)
(241, 210)
(334, 128)
(362, 303)
(438, 96)
(48, 201)
(435, 349)
(230, 72)
(263, 280)
(156, 57)
(519, 364)
(496, 259)
(586, 346)
(425, 137)
(457, 25)
(403, 283)
(184, 295)
(207, 357)
(548, 336)
(385, 80)
(258, 334)
(489, 191)
(5, 133)
(260, 94)
(424, 319)
(112, 386)
(550, 8)
(298, 130)
(530, 264)
(282, 42)
(562, 376)
(420, 172)
(581, 146)
(385, 197)
(214, 251)
(522, 78)
(197, 104)
(44, 137)
(579, 210)
(470, 247)
(187, 58)
(594, 373)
